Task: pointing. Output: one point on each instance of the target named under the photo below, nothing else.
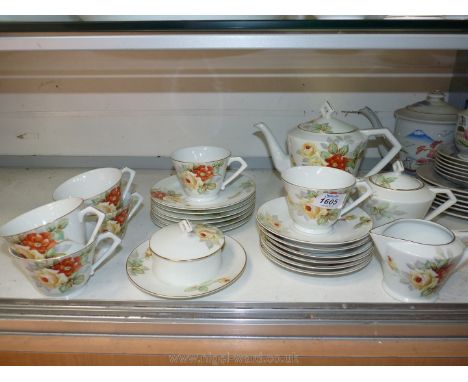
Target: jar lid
(432, 110)
(396, 179)
(185, 241)
(327, 123)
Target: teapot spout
(280, 159)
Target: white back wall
(150, 103)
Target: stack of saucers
(432, 176)
(451, 165)
(232, 208)
(346, 249)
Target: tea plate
(449, 165)
(218, 217)
(315, 248)
(223, 227)
(450, 170)
(453, 208)
(289, 267)
(427, 173)
(274, 217)
(307, 261)
(461, 215)
(169, 192)
(450, 152)
(335, 256)
(226, 220)
(459, 204)
(139, 271)
(452, 177)
(315, 268)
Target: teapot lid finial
(327, 110)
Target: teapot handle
(392, 153)
(450, 202)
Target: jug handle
(450, 202)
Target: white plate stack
(448, 170)
(347, 249)
(231, 209)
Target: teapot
(417, 257)
(329, 142)
(397, 195)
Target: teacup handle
(131, 174)
(452, 200)
(105, 253)
(139, 200)
(92, 211)
(396, 147)
(359, 200)
(237, 173)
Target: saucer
(274, 217)
(139, 272)
(303, 271)
(451, 154)
(427, 173)
(169, 192)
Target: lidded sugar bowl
(185, 253)
(397, 195)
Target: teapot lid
(326, 123)
(396, 179)
(432, 110)
(184, 241)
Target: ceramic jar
(461, 134)
(186, 253)
(397, 195)
(417, 257)
(422, 126)
(328, 141)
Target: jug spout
(280, 159)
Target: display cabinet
(77, 95)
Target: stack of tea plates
(450, 165)
(346, 249)
(232, 208)
(460, 209)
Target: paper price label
(331, 201)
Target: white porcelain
(427, 173)
(274, 217)
(310, 272)
(37, 233)
(450, 153)
(67, 275)
(118, 220)
(330, 142)
(317, 196)
(185, 253)
(100, 188)
(169, 192)
(417, 257)
(139, 265)
(397, 195)
(201, 171)
(422, 126)
(461, 134)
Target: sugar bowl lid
(185, 241)
(396, 179)
(433, 109)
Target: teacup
(201, 170)
(66, 275)
(100, 188)
(317, 196)
(39, 232)
(116, 220)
